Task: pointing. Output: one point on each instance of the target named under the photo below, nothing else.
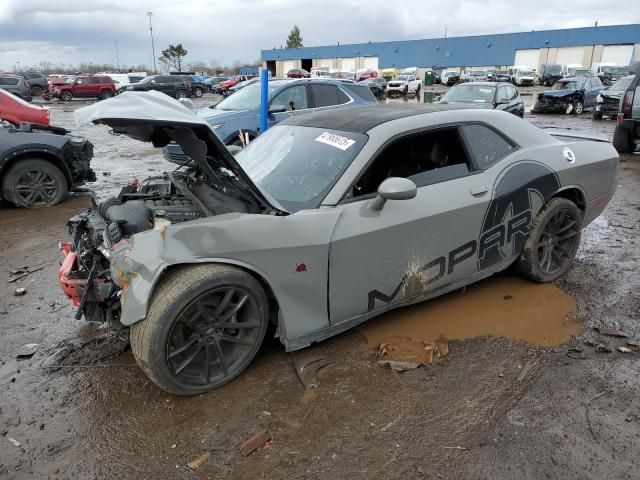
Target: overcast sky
(74, 31)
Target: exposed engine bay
(156, 203)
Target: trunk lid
(157, 118)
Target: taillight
(627, 102)
(188, 84)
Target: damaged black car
(608, 101)
(570, 95)
(39, 165)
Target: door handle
(479, 191)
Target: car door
(81, 87)
(515, 102)
(502, 98)
(163, 85)
(409, 248)
(595, 85)
(292, 100)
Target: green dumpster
(428, 78)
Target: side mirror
(393, 188)
(152, 81)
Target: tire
(175, 321)
(181, 94)
(66, 95)
(34, 183)
(597, 115)
(36, 91)
(578, 107)
(106, 94)
(197, 92)
(557, 225)
(623, 141)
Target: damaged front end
(554, 103)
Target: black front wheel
(34, 183)
(204, 326)
(553, 241)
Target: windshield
(470, 94)
(618, 70)
(247, 98)
(525, 73)
(503, 72)
(622, 84)
(552, 69)
(146, 79)
(402, 78)
(477, 73)
(568, 84)
(297, 166)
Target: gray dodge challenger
(324, 221)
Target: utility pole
(445, 32)
(153, 49)
(117, 55)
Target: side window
(296, 96)
(426, 158)
(503, 94)
(597, 83)
(9, 81)
(81, 81)
(486, 145)
(94, 80)
(327, 95)
(513, 93)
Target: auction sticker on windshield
(338, 141)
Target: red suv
(83, 86)
(298, 73)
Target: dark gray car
(37, 82)
(16, 85)
(494, 95)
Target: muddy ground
(511, 400)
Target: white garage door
(371, 63)
(325, 62)
(288, 65)
(527, 58)
(570, 56)
(348, 64)
(619, 55)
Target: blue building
(586, 47)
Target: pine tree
(294, 40)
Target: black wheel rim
(36, 187)
(214, 336)
(558, 242)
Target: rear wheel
(36, 91)
(106, 94)
(623, 141)
(553, 241)
(66, 95)
(181, 94)
(34, 183)
(204, 326)
(197, 92)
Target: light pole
(153, 49)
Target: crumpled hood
(617, 94)
(157, 118)
(559, 93)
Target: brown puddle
(502, 306)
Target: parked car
(450, 78)
(551, 73)
(627, 133)
(15, 85)
(609, 75)
(389, 74)
(365, 73)
(319, 72)
(83, 86)
(524, 78)
(378, 87)
(298, 73)
(15, 110)
(222, 86)
(475, 76)
(211, 82)
(404, 85)
(121, 80)
(240, 86)
(581, 72)
(312, 226)
(40, 164)
(569, 95)
(36, 81)
(198, 86)
(503, 76)
(495, 95)
(175, 86)
(292, 97)
(608, 101)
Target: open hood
(154, 117)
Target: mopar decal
(520, 192)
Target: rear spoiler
(577, 134)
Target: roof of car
(486, 84)
(363, 119)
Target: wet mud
(516, 396)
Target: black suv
(175, 86)
(627, 134)
(37, 81)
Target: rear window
(486, 145)
(9, 81)
(328, 95)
